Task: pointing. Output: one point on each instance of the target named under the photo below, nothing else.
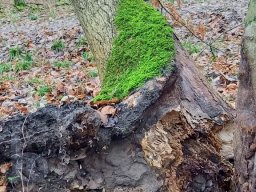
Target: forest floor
(45, 58)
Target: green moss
(143, 47)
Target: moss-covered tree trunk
(171, 121)
(97, 20)
(245, 134)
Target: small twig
(184, 25)
(31, 171)
(225, 33)
(22, 153)
(12, 140)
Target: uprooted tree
(171, 131)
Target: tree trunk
(245, 133)
(97, 20)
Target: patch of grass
(58, 45)
(62, 2)
(14, 52)
(62, 64)
(42, 90)
(191, 47)
(24, 62)
(4, 78)
(93, 73)
(20, 5)
(82, 41)
(143, 48)
(13, 179)
(5, 67)
(35, 81)
(85, 55)
(33, 17)
(23, 65)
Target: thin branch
(206, 43)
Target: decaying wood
(164, 138)
(245, 138)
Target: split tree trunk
(245, 134)
(97, 20)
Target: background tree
(245, 133)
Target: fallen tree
(164, 137)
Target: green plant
(58, 45)
(143, 48)
(13, 179)
(14, 52)
(82, 41)
(42, 90)
(85, 55)
(62, 64)
(35, 81)
(20, 5)
(5, 67)
(62, 2)
(93, 73)
(28, 57)
(191, 47)
(4, 78)
(23, 65)
(33, 17)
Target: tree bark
(245, 133)
(97, 20)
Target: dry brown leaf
(5, 167)
(232, 87)
(108, 110)
(3, 189)
(155, 3)
(106, 102)
(103, 117)
(22, 108)
(201, 31)
(61, 87)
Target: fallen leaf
(3, 189)
(5, 167)
(103, 117)
(22, 108)
(108, 110)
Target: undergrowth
(143, 48)
(58, 46)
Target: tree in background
(245, 132)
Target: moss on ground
(143, 47)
